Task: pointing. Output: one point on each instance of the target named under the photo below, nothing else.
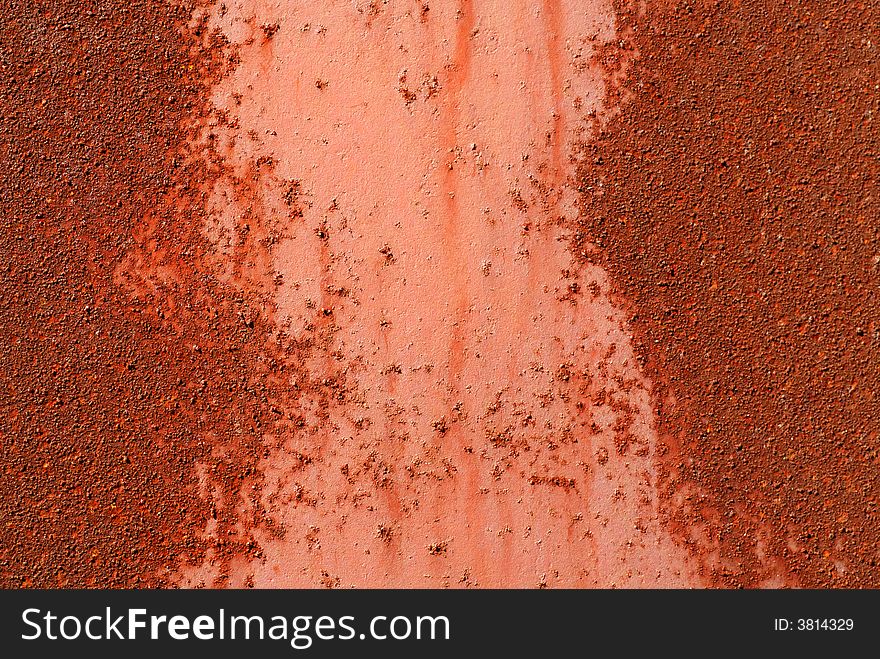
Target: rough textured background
(112, 400)
(735, 202)
(439, 294)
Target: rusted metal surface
(735, 201)
(111, 399)
(439, 294)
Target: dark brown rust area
(734, 201)
(111, 400)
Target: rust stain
(553, 12)
(134, 375)
(457, 75)
(717, 199)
